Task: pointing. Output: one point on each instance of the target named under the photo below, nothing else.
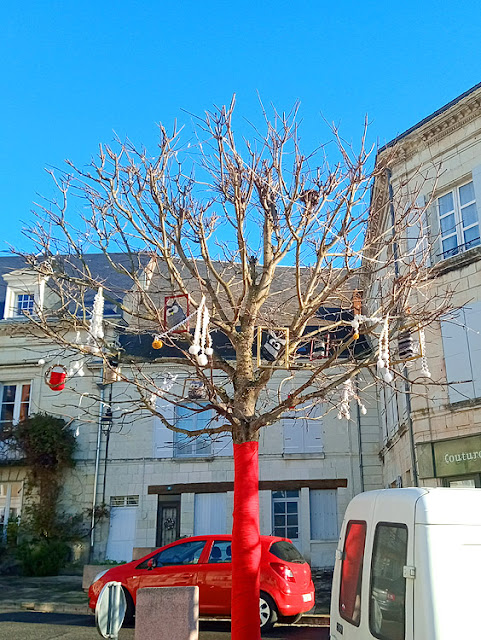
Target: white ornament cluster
(424, 361)
(383, 359)
(349, 394)
(96, 329)
(201, 348)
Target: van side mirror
(151, 564)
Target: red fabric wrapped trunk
(246, 544)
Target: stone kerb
(167, 613)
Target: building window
(192, 418)
(458, 220)
(285, 516)
(124, 501)
(462, 351)
(388, 585)
(10, 504)
(302, 433)
(323, 511)
(210, 513)
(15, 403)
(24, 304)
(351, 572)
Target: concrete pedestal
(167, 613)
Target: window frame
(459, 228)
(17, 402)
(192, 447)
(20, 310)
(284, 500)
(375, 633)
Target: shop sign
(457, 457)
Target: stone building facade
(432, 435)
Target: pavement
(64, 594)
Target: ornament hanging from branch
(357, 309)
(383, 359)
(175, 316)
(96, 329)
(56, 376)
(349, 394)
(424, 361)
(201, 347)
(270, 343)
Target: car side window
(220, 552)
(351, 572)
(388, 586)
(184, 553)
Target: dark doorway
(168, 520)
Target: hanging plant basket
(55, 377)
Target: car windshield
(286, 551)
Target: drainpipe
(359, 438)
(407, 384)
(97, 465)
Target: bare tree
(264, 238)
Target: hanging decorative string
(383, 359)
(168, 381)
(96, 329)
(202, 345)
(424, 361)
(349, 394)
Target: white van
(408, 566)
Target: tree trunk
(246, 547)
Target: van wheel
(290, 619)
(130, 610)
(268, 612)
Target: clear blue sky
(72, 73)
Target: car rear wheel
(130, 610)
(268, 612)
(290, 619)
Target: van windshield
(286, 551)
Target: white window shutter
(163, 437)
(472, 314)
(313, 436)
(457, 357)
(323, 512)
(210, 513)
(294, 427)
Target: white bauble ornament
(194, 349)
(202, 360)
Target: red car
(287, 590)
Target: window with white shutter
(323, 511)
(302, 432)
(462, 352)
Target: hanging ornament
(96, 329)
(406, 345)
(424, 361)
(383, 360)
(357, 308)
(157, 343)
(201, 336)
(271, 346)
(55, 377)
(349, 394)
(174, 314)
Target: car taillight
(391, 596)
(283, 571)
